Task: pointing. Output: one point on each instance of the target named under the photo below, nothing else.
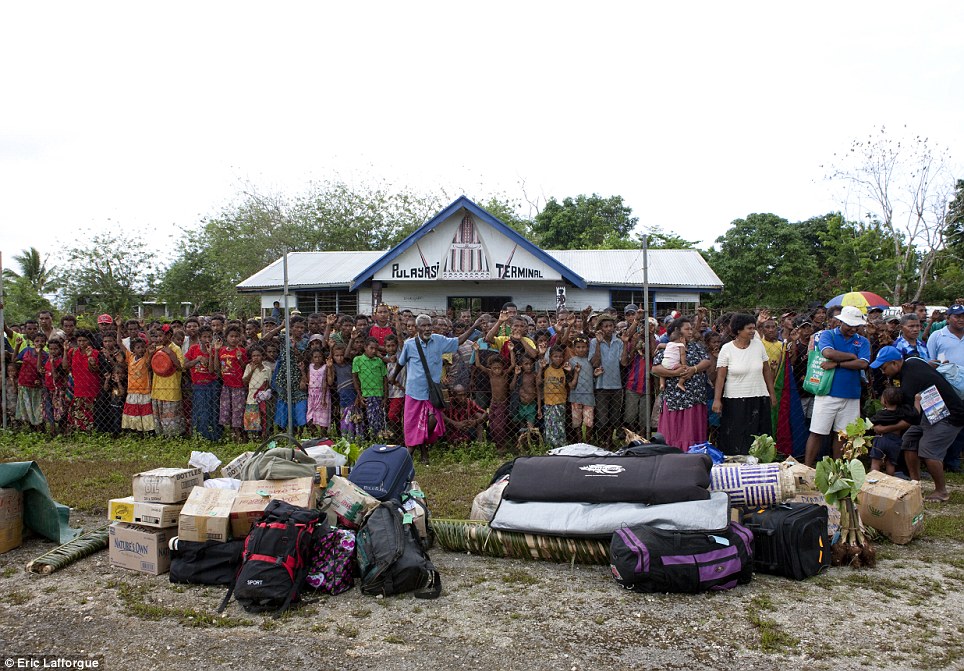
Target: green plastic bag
(818, 380)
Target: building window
(327, 302)
(478, 304)
(619, 299)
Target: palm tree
(33, 271)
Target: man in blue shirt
(947, 344)
(908, 343)
(605, 354)
(847, 354)
(423, 423)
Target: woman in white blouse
(744, 388)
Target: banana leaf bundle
(476, 536)
(82, 546)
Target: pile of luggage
(290, 522)
(671, 521)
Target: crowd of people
(568, 376)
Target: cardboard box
(140, 548)
(254, 496)
(161, 515)
(804, 477)
(11, 519)
(833, 513)
(892, 506)
(233, 468)
(206, 516)
(346, 503)
(166, 485)
(326, 473)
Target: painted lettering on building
(507, 272)
(415, 272)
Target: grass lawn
(85, 471)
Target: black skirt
(743, 418)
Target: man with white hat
(847, 354)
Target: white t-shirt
(744, 370)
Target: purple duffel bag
(648, 559)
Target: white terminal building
(466, 258)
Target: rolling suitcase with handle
(789, 539)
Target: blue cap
(886, 355)
(956, 309)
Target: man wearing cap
(847, 354)
(927, 441)
(105, 325)
(629, 311)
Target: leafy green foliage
(109, 273)
(764, 448)
(248, 235)
(584, 222)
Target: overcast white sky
(151, 115)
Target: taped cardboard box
(892, 506)
(166, 485)
(11, 519)
(140, 548)
(161, 515)
(346, 503)
(254, 496)
(233, 468)
(206, 516)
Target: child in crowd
(230, 362)
(524, 379)
(315, 381)
(371, 381)
(55, 388)
(167, 362)
(675, 356)
(137, 415)
(30, 405)
(341, 378)
(82, 362)
(200, 360)
(115, 389)
(396, 390)
(582, 398)
(498, 375)
(10, 409)
(555, 383)
(257, 379)
(889, 426)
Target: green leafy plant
(764, 448)
(840, 480)
(350, 450)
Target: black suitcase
(789, 539)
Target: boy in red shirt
(205, 386)
(30, 409)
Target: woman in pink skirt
(683, 418)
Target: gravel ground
(498, 613)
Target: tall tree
(764, 261)
(584, 222)
(33, 271)
(110, 273)
(905, 184)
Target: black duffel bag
(208, 563)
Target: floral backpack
(332, 562)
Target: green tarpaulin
(40, 512)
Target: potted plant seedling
(840, 480)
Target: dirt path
(497, 613)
